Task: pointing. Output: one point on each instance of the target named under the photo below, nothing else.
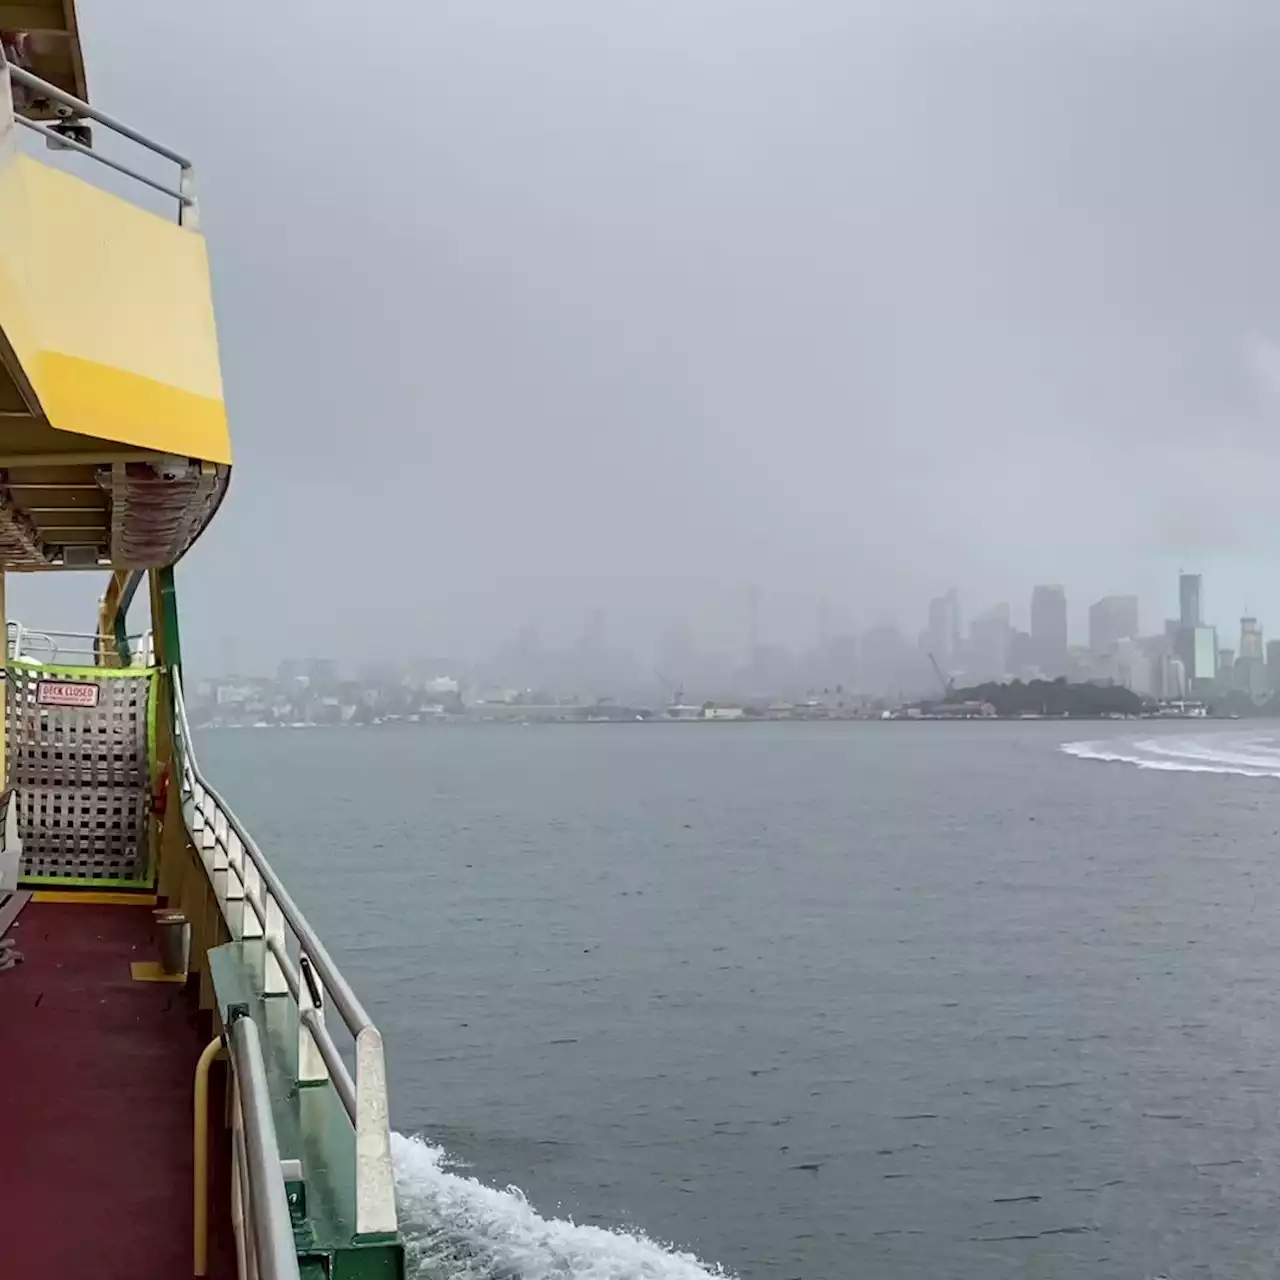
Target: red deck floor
(96, 1087)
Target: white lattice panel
(81, 775)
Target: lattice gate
(79, 742)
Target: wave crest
(456, 1226)
(1248, 755)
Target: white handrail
(84, 644)
(77, 109)
(241, 875)
(268, 1227)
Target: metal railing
(255, 904)
(257, 1174)
(59, 138)
(74, 648)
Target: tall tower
(938, 633)
(1190, 600)
(1049, 628)
(942, 635)
(1197, 645)
(1251, 639)
(1111, 619)
(989, 638)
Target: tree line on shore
(1051, 698)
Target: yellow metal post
(108, 606)
(200, 1205)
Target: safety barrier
(257, 1176)
(69, 135)
(79, 748)
(256, 906)
(77, 648)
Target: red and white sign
(66, 693)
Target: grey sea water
(817, 1001)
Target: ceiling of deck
(68, 500)
(49, 47)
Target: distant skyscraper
(938, 632)
(942, 636)
(882, 654)
(1198, 649)
(1049, 628)
(1196, 644)
(1131, 666)
(1226, 669)
(1273, 665)
(1170, 678)
(1022, 654)
(989, 637)
(1251, 639)
(1112, 619)
(1250, 674)
(1204, 660)
(322, 672)
(1191, 600)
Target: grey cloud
(573, 304)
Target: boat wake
(1249, 755)
(456, 1227)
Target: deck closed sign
(66, 693)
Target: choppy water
(970, 1000)
(1250, 753)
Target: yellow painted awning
(107, 313)
(114, 448)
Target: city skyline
(869, 392)
(1159, 653)
(739, 617)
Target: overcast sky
(532, 307)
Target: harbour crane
(948, 685)
(675, 690)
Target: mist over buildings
(549, 309)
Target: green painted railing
(331, 1121)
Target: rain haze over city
(724, 326)
(596, 372)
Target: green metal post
(171, 644)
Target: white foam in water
(1248, 755)
(456, 1227)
